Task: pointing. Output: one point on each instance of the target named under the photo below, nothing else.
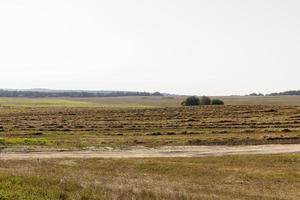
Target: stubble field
(120, 127)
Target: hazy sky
(211, 47)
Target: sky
(200, 47)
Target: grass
(42, 102)
(24, 141)
(122, 102)
(229, 177)
(32, 188)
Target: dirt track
(181, 151)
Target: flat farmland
(47, 147)
(77, 126)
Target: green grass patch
(76, 102)
(24, 141)
(42, 188)
(44, 102)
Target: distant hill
(40, 92)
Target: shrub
(195, 101)
(191, 101)
(205, 101)
(217, 102)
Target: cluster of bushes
(196, 101)
(255, 94)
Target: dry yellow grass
(229, 177)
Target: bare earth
(142, 152)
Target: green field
(118, 102)
(125, 102)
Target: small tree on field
(217, 102)
(191, 101)
(195, 101)
(205, 100)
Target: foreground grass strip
(229, 177)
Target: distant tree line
(291, 92)
(21, 93)
(286, 93)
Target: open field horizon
(164, 128)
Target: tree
(156, 94)
(217, 102)
(256, 94)
(205, 100)
(191, 101)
